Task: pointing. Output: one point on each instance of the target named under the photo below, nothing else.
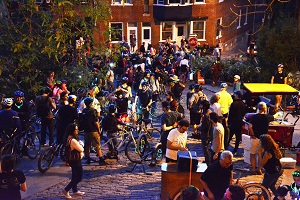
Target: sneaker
(79, 193)
(66, 194)
(102, 162)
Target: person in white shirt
(95, 104)
(184, 68)
(177, 139)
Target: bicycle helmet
(145, 83)
(125, 80)
(111, 108)
(72, 98)
(19, 94)
(88, 101)
(8, 102)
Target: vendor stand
(280, 130)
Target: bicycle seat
(147, 121)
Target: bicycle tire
(156, 113)
(252, 188)
(142, 144)
(32, 144)
(62, 152)
(46, 160)
(158, 153)
(35, 121)
(7, 149)
(104, 145)
(131, 151)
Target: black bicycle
(47, 157)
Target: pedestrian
(44, 105)
(132, 42)
(279, 77)
(236, 83)
(191, 193)
(282, 192)
(11, 180)
(77, 172)
(50, 80)
(295, 186)
(214, 104)
(225, 99)
(270, 155)
(258, 126)
(217, 143)
(234, 192)
(142, 49)
(235, 120)
(217, 53)
(143, 100)
(217, 177)
(176, 141)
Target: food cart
(280, 130)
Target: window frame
(122, 32)
(114, 3)
(161, 31)
(192, 31)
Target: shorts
(92, 138)
(255, 145)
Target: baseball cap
(280, 65)
(237, 77)
(223, 85)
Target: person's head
(175, 78)
(214, 117)
(282, 190)
(236, 78)
(72, 130)
(214, 98)
(145, 86)
(192, 87)
(268, 144)
(165, 105)
(223, 86)
(147, 74)
(19, 95)
(183, 125)
(8, 102)
(234, 192)
(152, 76)
(198, 88)
(64, 96)
(119, 94)
(262, 107)
(111, 108)
(296, 177)
(191, 193)
(88, 101)
(280, 67)
(72, 99)
(205, 105)
(238, 94)
(226, 159)
(124, 80)
(8, 163)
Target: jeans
(270, 180)
(47, 123)
(205, 147)
(77, 174)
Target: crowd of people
(137, 89)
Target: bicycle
(144, 150)
(27, 143)
(47, 157)
(146, 126)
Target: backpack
(196, 103)
(177, 90)
(43, 108)
(83, 118)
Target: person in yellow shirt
(225, 100)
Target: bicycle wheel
(155, 112)
(32, 143)
(46, 160)
(158, 153)
(35, 121)
(252, 188)
(131, 151)
(7, 149)
(142, 145)
(62, 151)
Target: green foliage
(42, 39)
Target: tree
(38, 38)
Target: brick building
(153, 21)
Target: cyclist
(126, 87)
(9, 120)
(121, 101)
(21, 107)
(143, 100)
(110, 125)
(96, 103)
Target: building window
(246, 17)
(199, 1)
(160, 2)
(221, 1)
(240, 19)
(198, 28)
(121, 2)
(116, 31)
(146, 6)
(167, 28)
(219, 29)
(174, 1)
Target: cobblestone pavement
(115, 182)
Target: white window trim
(204, 30)
(240, 17)
(173, 32)
(220, 32)
(220, 1)
(246, 17)
(121, 4)
(116, 41)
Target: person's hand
(175, 124)
(81, 143)
(215, 157)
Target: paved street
(114, 182)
